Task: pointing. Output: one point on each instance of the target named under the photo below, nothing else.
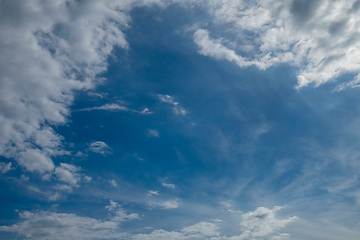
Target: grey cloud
(4, 168)
(303, 10)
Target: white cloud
(144, 111)
(58, 226)
(68, 173)
(35, 160)
(120, 213)
(204, 228)
(319, 37)
(100, 147)
(178, 110)
(4, 168)
(116, 107)
(352, 84)
(113, 205)
(153, 193)
(87, 178)
(171, 204)
(262, 222)
(107, 107)
(113, 183)
(168, 185)
(49, 49)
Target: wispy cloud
(5, 167)
(152, 133)
(168, 185)
(170, 204)
(100, 147)
(113, 183)
(116, 107)
(178, 110)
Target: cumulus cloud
(262, 223)
(319, 37)
(4, 168)
(100, 147)
(120, 213)
(68, 173)
(202, 230)
(49, 49)
(178, 110)
(50, 225)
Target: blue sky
(157, 119)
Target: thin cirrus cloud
(116, 107)
(178, 110)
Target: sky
(180, 119)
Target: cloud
(202, 230)
(62, 187)
(178, 110)
(107, 107)
(50, 196)
(171, 204)
(49, 50)
(68, 173)
(153, 193)
(319, 37)
(4, 168)
(35, 160)
(120, 213)
(352, 84)
(51, 225)
(57, 226)
(116, 107)
(100, 147)
(168, 185)
(113, 183)
(152, 133)
(262, 222)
